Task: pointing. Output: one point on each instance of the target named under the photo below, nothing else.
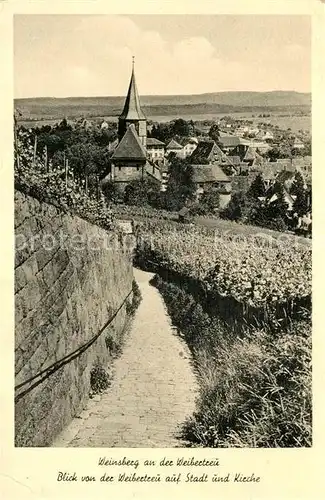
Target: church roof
(132, 108)
(130, 146)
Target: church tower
(132, 113)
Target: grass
(255, 389)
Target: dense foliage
(57, 185)
(255, 389)
(259, 273)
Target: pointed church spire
(132, 108)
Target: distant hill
(219, 102)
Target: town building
(212, 178)
(155, 149)
(209, 153)
(130, 159)
(174, 147)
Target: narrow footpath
(153, 390)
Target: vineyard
(254, 377)
(37, 177)
(257, 273)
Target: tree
(278, 207)
(140, 192)
(111, 192)
(298, 184)
(257, 188)
(235, 208)
(180, 187)
(300, 205)
(214, 132)
(207, 204)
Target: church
(131, 160)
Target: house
(252, 158)
(212, 177)
(189, 145)
(104, 125)
(234, 145)
(298, 144)
(285, 164)
(288, 198)
(175, 147)
(262, 147)
(269, 173)
(155, 149)
(209, 153)
(242, 131)
(268, 136)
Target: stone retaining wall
(68, 282)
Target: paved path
(153, 390)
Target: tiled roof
(235, 160)
(250, 154)
(208, 173)
(130, 146)
(202, 152)
(209, 152)
(152, 141)
(153, 170)
(270, 172)
(284, 176)
(229, 141)
(173, 145)
(187, 140)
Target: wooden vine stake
(66, 168)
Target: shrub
(99, 379)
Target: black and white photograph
(163, 231)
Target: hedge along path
(153, 390)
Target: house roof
(130, 146)
(270, 172)
(152, 141)
(187, 140)
(202, 152)
(174, 145)
(153, 170)
(235, 160)
(285, 175)
(208, 173)
(132, 108)
(250, 154)
(229, 140)
(209, 152)
(288, 198)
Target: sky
(88, 55)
